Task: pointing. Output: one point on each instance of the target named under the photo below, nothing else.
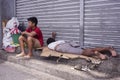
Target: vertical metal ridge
(82, 22)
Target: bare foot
(22, 54)
(101, 56)
(113, 52)
(27, 56)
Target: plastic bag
(12, 23)
(7, 38)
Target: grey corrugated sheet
(61, 16)
(0, 27)
(7, 9)
(102, 23)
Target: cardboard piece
(48, 52)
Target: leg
(101, 48)
(113, 52)
(22, 39)
(32, 42)
(100, 55)
(90, 52)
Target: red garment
(39, 35)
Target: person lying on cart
(75, 48)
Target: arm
(29, 34)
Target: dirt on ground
(110, 67)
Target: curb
(59, 70)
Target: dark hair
(33, 20)
(50, 40)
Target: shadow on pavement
(110, 68)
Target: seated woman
(74, 48)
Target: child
(32, 37)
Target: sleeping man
(74, 48)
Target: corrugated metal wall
(0, 27)
(97, 25)
(8, 9)
(6, 12)
(61, 16)
(102, 23)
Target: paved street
(10, 71)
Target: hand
(23, 33)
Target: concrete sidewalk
(12, 71)
(62, 70)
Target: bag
(12, 23)
(7, 38)
(10, 49)
(21, 27)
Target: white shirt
(54, 44)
